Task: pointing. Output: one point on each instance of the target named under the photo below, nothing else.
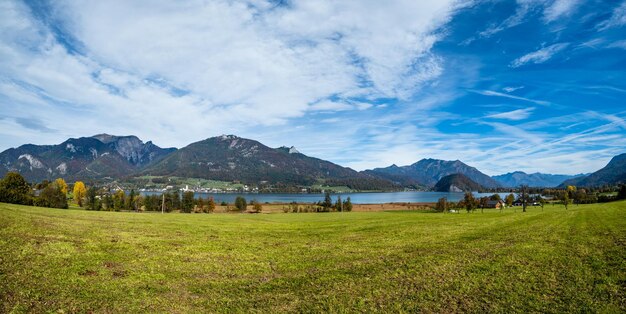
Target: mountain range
(613, 173)
(517, 178)
(456, 183)
(105, 157)
(428, 172)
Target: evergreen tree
(90, 199)
(621, 195)
(347, 205)
(328, 202)
(339, 204)
(130, 200)
(187, 202)
(240, 203)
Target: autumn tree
(256, 206)
(442, 205)
(51, 196)
(210, 205)
(62, 185)
(119, 200)
(469, 201)
(510, 199)
(79, 192)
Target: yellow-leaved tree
(79, 192)
(62, 185)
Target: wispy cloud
(559, 9)
(515, 115)
(617, 19)
(510, 89)
(498, 94)
(539, 56)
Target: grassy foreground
(80, 261)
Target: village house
(495, 204)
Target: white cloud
(515, 115)
(498, 94)
(510, 89)
(540, 56)
(618, 44)
(179, 72)
(559, 9)
(617, 19)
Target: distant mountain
(428, 172)
(230, 158)
(457, 183)
(613, 173)
(515, 179)
(96, 157)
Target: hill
(428, 172)
(97, 157)
(457, 183)
(613, 173)
(517, 178)
(229, 158)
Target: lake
(356, 198)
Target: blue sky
(531, 85)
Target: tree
(130, 200)
(187, 203)
(565, 199)
(175, 201)
(469, 201)
(108, 202)
(339, 204)
(510, 199)
(119, 200)
(483, 203)
(240, 203)
(15, 190)
(211, 205)
(200, 205)
(257, 206)
(328, 202)
(52, 196)
(347, 205)
(91, 200)
(621, 195)
(79, 192)
(524, 196)
(62, 185)
(442, 205)
(495, 197)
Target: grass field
(78, 261)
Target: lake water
(357, 198)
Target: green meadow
(54, 260)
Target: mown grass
(80, 261)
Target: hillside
(229, 158)
(613, 173)
(97, 157)
(429, 171)
(515, 179)
(457, 183)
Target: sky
(528, 85)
